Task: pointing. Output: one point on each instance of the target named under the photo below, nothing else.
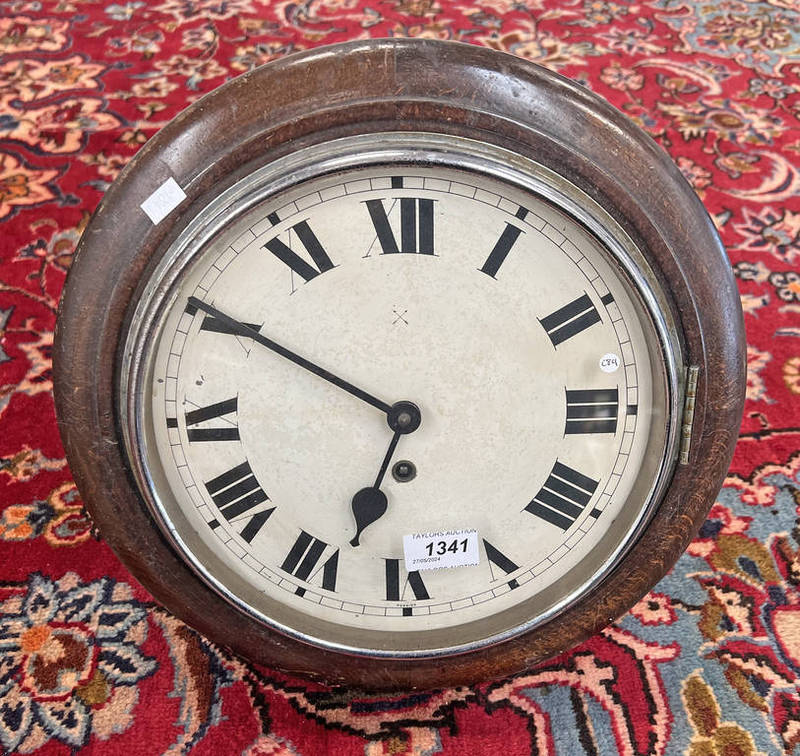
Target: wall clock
(399, 364)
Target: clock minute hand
(244, 330)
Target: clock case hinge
(692, 375)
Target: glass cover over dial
(402, 407)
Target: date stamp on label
(445, 548)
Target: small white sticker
(163, 200)
(446, 548)
(610, 363)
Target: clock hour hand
(370, 504)
(243, 329)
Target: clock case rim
(378, 86)
(403, 151)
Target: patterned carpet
(707, 664)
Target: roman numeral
(563, 497)
(592, 411)
(312, 246)
(235, 493)
(395, 591)
(499, 559)
(416, 225)
(303, 558)
(500, 250)
(254, 524)
(222, 433)
(570, 319)
(213, 325)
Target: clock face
(401, 406)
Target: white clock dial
(391, 350)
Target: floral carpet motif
(707, 664)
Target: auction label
(446, 548)
(163, 201)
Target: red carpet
(706, 665)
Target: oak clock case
(422, 304)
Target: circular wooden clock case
(399, 364)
